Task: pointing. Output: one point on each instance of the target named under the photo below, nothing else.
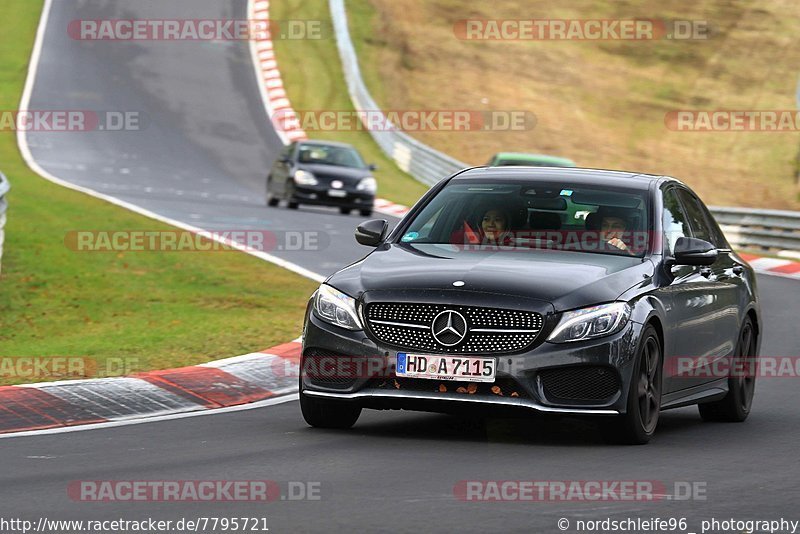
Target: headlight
(367, 184)
(589, 323)
(304, 178)
(333, 306)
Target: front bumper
(522, 379)
(318, 195)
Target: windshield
(330, 155)
(535, 215)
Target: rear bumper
(519, 375)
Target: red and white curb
(250, 378)
(276, 102)
(774, 266)
(272, 91)
(387, 206)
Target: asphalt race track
(400, 468)
(206, 144)
(202, 159)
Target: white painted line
(113, 424)
(217, 364)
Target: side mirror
(693, 251)
(285, 159)
(372, 233)
(372, 167)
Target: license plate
(337, 193)
(464, 368)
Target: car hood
(567, 280)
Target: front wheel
(321, 413)
(291, 202)
(366, 213)
(345, 211)
(735, 406)
(272, 200)
(638, 425)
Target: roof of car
(575, 175)
(324, 143)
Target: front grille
(583, 383)
(488, 330)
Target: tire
(735, 406)
(639, 423)
(328, 414)
(272, 201)
(345, 211)
(366, 213)
(292, 204)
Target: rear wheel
(321, 413)
(345, 211)
(366, 213)
(638, 425)
(735, 406)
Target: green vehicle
(566, 213)
(531, 160)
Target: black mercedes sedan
(322, 173)
(538, 290)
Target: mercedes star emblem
(449, 328)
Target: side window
(674, 220)
(717, 238)
(697, 220)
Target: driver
(612, 228)
(494, 225)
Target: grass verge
(601, 103)
(313, 78)
(137, 311)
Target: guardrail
(763, 230)
(417, 159)
(4, 187)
